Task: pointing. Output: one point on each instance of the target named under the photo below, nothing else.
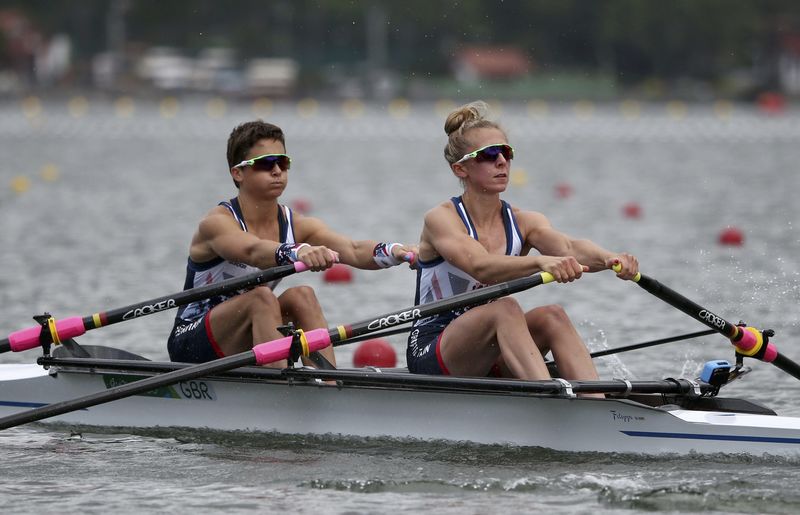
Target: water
(113, 228)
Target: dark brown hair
(247, 134)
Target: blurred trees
(632, 40)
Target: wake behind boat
(649, 417)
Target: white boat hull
(554, 422)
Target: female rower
(478, 239)
(253, 231)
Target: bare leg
(300, 306)
(553, 331)
(246, 320)
(473, 342)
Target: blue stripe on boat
(694, 436)
(23, 404)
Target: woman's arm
(364, 254)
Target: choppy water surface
(111, 227)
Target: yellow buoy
(169, 107)
(353, 108)
(307, 107)
(538, 108)
(216, 107)
(519, 177)
(20, 184)
(399, 108)
(49, 172)
(78, 106)
(677, 109)
(124, 107)
(31, 107)
(262, 106)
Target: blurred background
(666, 129)
(691, 50)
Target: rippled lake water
(107, 204)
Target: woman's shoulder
(529, 218)
(443, 209)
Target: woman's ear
(236, 174)
(458, 170)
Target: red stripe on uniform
(439, 355)
(214, 344)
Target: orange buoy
(632, 210)
(301, 205)
(338, 273)
(731, 236)
(563, 190)
(375, 353)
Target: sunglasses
(267, 162)
(490, 153)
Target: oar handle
(57, 331)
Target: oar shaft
(344, 333)
(269, 352)
(748, 340)
(651, 343)
(75, 326)
(689, 307)
(127, 390)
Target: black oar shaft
(268, 352)
(651, 343)
(712, 320)
(787, 365)
(129, 389)
(76, 326)
(344, 333)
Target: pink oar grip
(747, 341)
(276, 350)
(770, 354)
(300, 267)
(25, 339)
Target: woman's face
(479, 174)
(264, 182)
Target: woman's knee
(301, 296)
(260, 299)
(506, 309)
(550, 316)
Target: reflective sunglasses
(267, 162)
(490, 153)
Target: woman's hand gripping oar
(282, 348)
(56, 331)
(749, 341)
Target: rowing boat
(651, 417)
(105, 387)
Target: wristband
(293, 254)
(382, 254)
(286, 253)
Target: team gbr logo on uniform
(148, 309)
(712, 319)
(394, 319)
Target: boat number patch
(192, 389)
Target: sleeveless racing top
(218, 269)
(437, 279)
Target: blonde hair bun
(465, 116)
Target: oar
(651, 343)
(56, 331)
(269, 352)
(748, 341)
